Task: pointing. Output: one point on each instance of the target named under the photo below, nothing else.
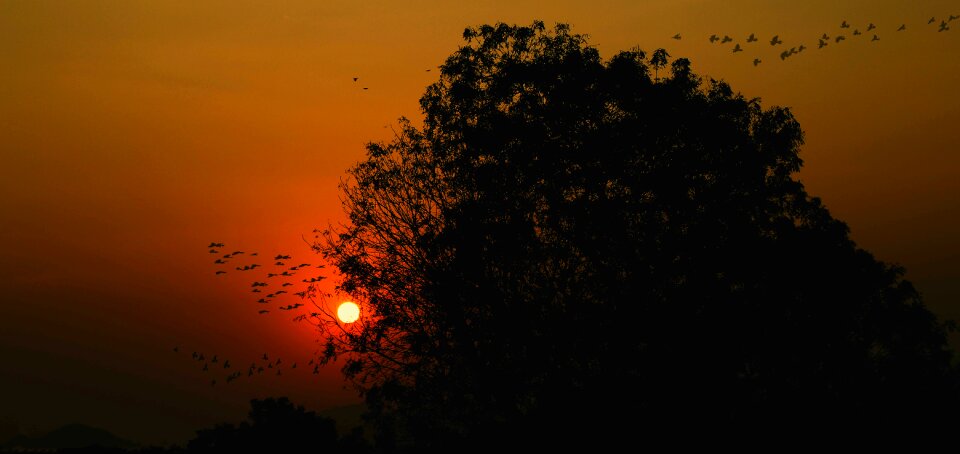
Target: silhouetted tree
(566, 239)
(659, 60)
(273, 425)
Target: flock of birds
(822, 41)
(213, 364)
(280, 274)
(825, 39)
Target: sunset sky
(133, 134)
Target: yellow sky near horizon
(132, 134)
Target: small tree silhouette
(658, 61)
(273, 425)
(566, 238)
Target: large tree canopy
(567, 238)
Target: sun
(348, 312)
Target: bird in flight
(825, 37)
(821, 44)
(752, 38)
(932, 20)
(801, 48)
(355, 79)
(737, 48)
(713, 39)
(677, 36)
(221, 272)
(726, 39)
(943, 27)
(902, 27)
(263, 311)
(844, 24)
(776, 40)
(875, 38)
(952, 18)
(857, 32)
(784, 55)
(840, 38)
(213, 245)
(871, 26)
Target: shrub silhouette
(273, 425)
(566, 239)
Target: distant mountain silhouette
(69, 436)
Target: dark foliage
(570, 249)
(273, 425)
(70, 436)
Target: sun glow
(348, 312)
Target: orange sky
(132, 134)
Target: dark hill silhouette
(69, 436)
